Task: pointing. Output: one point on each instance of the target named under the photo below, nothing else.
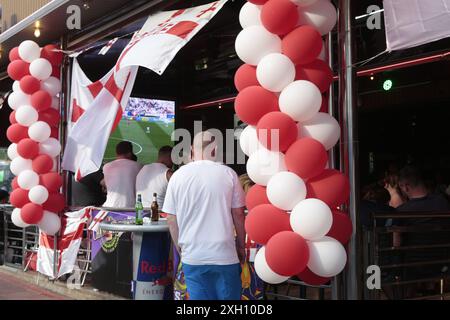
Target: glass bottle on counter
(139, 210)
(155, 209)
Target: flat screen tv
(148, 124)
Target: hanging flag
(164, 34)
(96, 110)
(411, 23)
(108, 46)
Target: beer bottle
(154, 208)
(139, 210)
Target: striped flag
(108, 46)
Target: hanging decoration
(283, 88)
(34, 136)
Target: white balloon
(17, 99)
(312, 219)
(250, 15)
(263, 270)
(55, 103)
(50, 223)
(327, 257)
(39, 131)
(28, 179)
(29, 51)
(285, 190)
(12, 151)
(321, 15)
(19, 164)
(17, 219)
(275, 71)
(303, 3)
(255, 42)
(322, 127)
(51, 146)
(16, 86)
(248, 140)
(52, 85)
(26, 115)
(38, 194)
(301, 100)
(41, 69)
(263, 164)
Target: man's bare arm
(173, 227)
(239, 225)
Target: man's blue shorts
(213, 282)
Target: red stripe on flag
(112, 87)
(95, 88)
(77, 111)
(182, 29)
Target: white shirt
(120, 179)
(201, 194)
(152, 179)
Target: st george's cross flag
(411, 23)
(97, 107)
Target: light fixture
(220, 106)
(372, 77)
(86, 5)
(387, 85)
(37, 29)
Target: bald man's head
(204, 146)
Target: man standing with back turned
(205, 207)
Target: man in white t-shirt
(205, 206)
(153, 178)
(120, 178)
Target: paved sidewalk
(12, 288)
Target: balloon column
(282, 88)
(34, 136)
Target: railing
(413, 254)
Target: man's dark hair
(165, 151)
(124, 147)
(375, 193)
(412, 176)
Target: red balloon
(12, 117)
(54, 57)
(55, 203)
(254, 102)
(309, 277)
(14, 54)
(306, 157)
(54, 133)
(287, 253)
(264, 221)
(302, 45)
(32, 213)
(245, 77)
(42, 164)
(30, 84)
(51, 116)
(331, 186)
(18, 69)
(41, 100)
(318, 72)
(19, 198)
(324, 106)
(258, 2)
(52, 181)
(342, 227)
(287, 131)
(14, 183)
(17, 132)
(56, 72)
(279, 16)
(255, 196)
(28, 148)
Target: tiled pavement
(12, 288)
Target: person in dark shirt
(88, 191)
(375, 199)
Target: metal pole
(349, 145)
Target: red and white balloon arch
(34, 135)
(293, 206)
